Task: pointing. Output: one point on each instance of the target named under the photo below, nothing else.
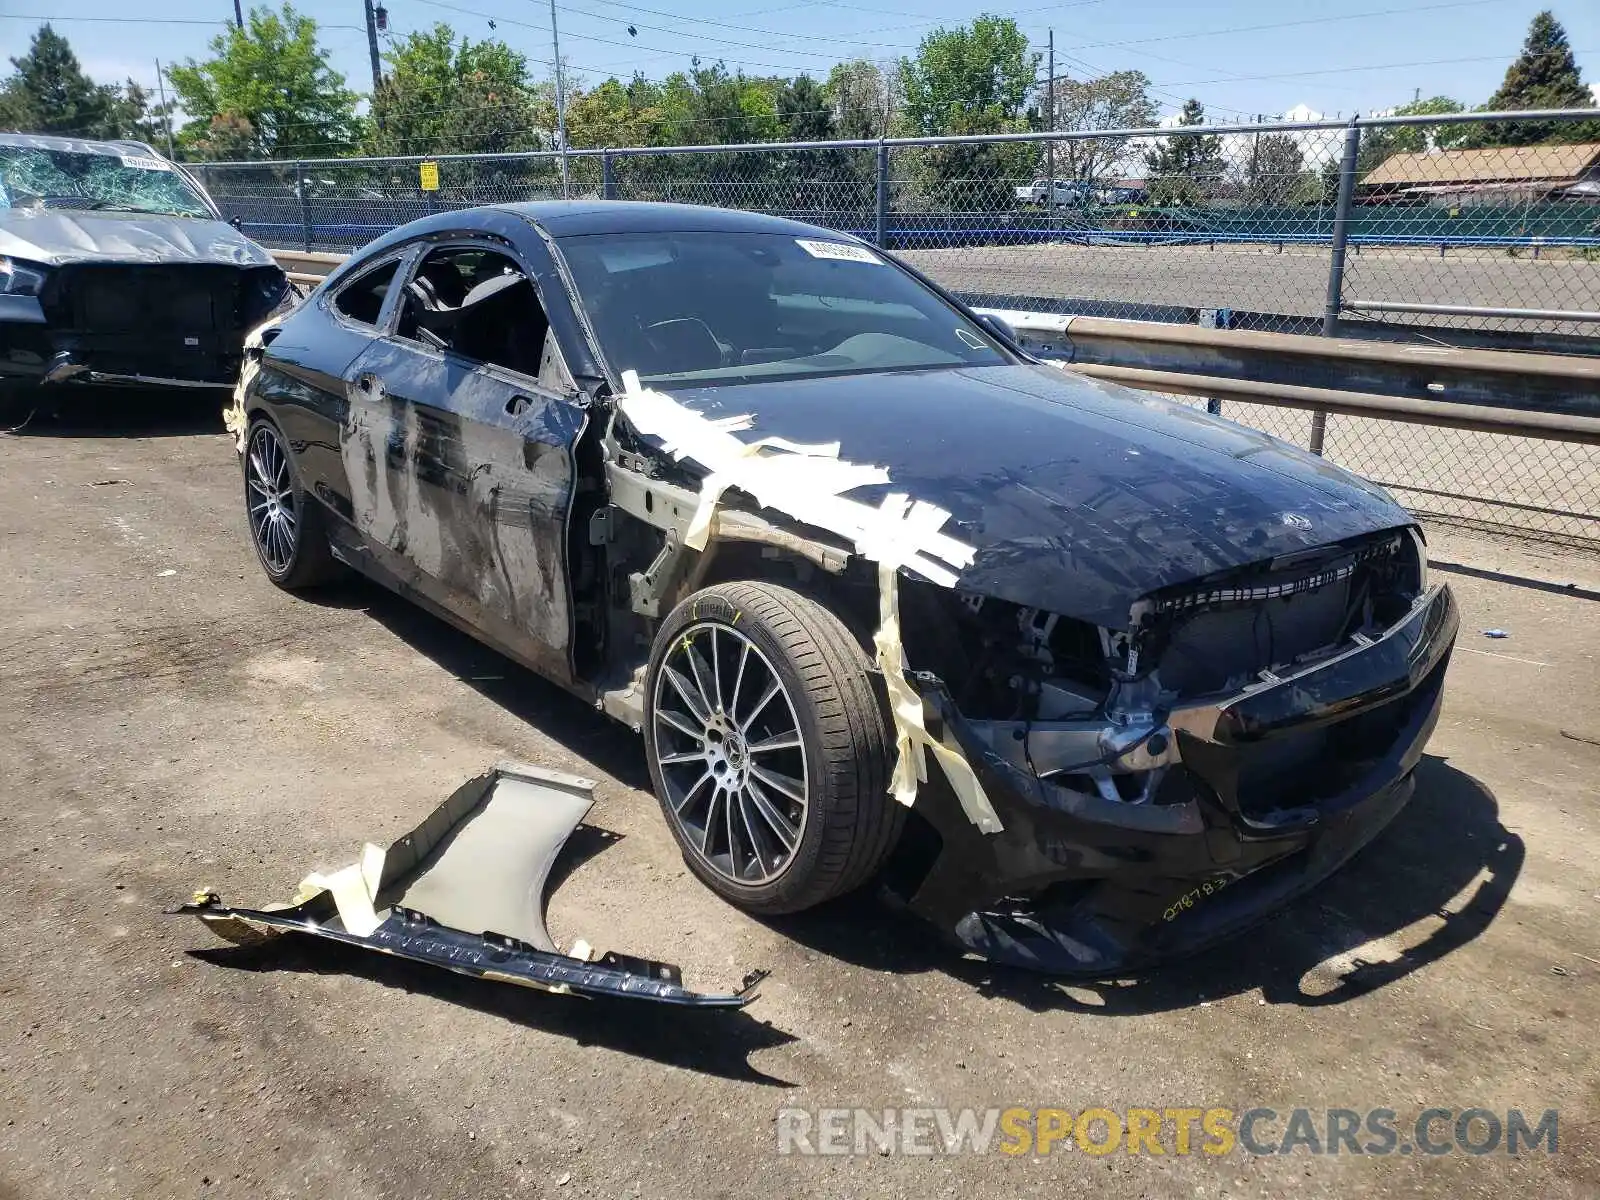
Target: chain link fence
(1398, 228)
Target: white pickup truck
(1067, 192)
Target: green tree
(970, 76)
(1544, 75)
(133, 115)
(862, 96)
(272, 77)
(615, 114)
(1277, 172)
(1120, 100)
(969, 80)
(444, 97)
(49, 93)
(803, 111)
(808, 177)
(1379, 142)
(1184, 167)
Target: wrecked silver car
(1088, 678)
(116, 268)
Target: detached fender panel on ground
(465, 891)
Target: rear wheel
(286, 527)
(769, 747)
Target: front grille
(181, 300)
(179, 320)
(1223, 633)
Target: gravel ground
(173, 720)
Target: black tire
(849, 821)
(305, 560)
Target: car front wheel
(769, 747)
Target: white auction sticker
(842, 251)
(144, 163)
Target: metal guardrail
(1492, 391)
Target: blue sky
(1238, 56)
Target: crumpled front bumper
(1078, 884)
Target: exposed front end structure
(1164, 817)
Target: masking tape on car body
(354, 889)
(233, 417)
(805, 482)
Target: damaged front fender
(465, 891)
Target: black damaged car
(117, 269)
(742, 482)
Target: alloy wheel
(730, 752)
(269, 493)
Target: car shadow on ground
(1430, 883)
(555, 713)
(114, 412)
(710, 1041)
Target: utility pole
(561, 103)
(372, 47)
(1050, 127)
(1255, 159)
(166, 113)
(238, 15)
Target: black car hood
(1079, 497)
(58, 237)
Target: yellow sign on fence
(430, 176)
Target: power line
(663, 51)
(924, 19)
(853, 38)
(1423, 62)
(146, 21)
(834, 41)
(1382, 12)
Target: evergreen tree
(49, 93)
(1182, 168)
(1544, 75)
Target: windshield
(721, 308)
(102, 181)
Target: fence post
(305, 208)
(1341, 235)
(881, 224)
(608, 175)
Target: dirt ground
(171, 720)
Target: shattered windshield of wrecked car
(99, 182)
(707, 309)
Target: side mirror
(237, 223)
(1001, 328)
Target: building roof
(1498, 164)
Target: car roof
(45, 141)
(574, 218)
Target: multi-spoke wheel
(769, 747)
(286, 530)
